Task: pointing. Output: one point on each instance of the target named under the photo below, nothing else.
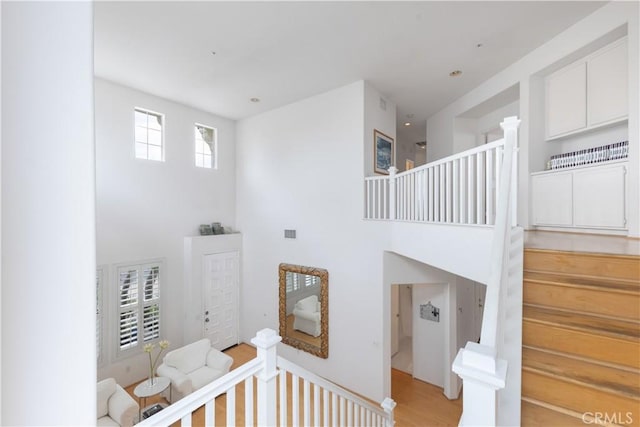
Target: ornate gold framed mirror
(304, 308)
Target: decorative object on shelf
(587, 156)
(205, 230)
(383, 152)
(217, 228)
(153, 362)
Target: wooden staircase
(581, 339)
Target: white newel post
(388, 404)
(392, 192)
(510, 127)
(266, 341)
(482, 375)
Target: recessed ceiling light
(255, 100)
(455, 73)
(407, 123)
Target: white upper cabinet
(607, 85)
(589, 93)
(566, 92)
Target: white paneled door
(221, 279)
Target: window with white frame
(206, 147)
(149, 135)
(138, 305)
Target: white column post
(388, 404)
(48, 214)
(482, 375)
(266, 341)
(510, 128)
(392, 192)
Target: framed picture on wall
(384, 151)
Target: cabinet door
(566, 99)
(599, 197)
(552, 199)
(607, 85)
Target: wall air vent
(289, 234)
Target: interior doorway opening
(402, 328)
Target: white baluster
(392, 192)
(248, 401)
(306, 403)
(282, 383)
(316, 405)
(210, 413)
(479, 189)
(489, 185)
(295, 397)
(231, 406)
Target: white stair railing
(483, 366)
(323, 402)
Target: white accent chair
(115, 406)
(193, 366)
(306, 316)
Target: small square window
(206, 147)
(149, 135)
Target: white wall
(146, 208)
(612, 16)
(301, 167)
(48, 215)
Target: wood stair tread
(536, 413)
(569, 280)
(627, 330)
(619, 381)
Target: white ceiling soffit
(281, 52)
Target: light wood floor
(418, 404)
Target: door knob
(206, 320)
(206, 313)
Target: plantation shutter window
(138, 305)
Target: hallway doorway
(402, 328)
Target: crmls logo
(607, 418)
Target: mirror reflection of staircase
(581, 330)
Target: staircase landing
(580, 242)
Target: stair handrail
(480, 365)
(501, 236)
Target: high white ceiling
(281, 52)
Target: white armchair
(306, 316)
(193, 366)
(115, 406)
